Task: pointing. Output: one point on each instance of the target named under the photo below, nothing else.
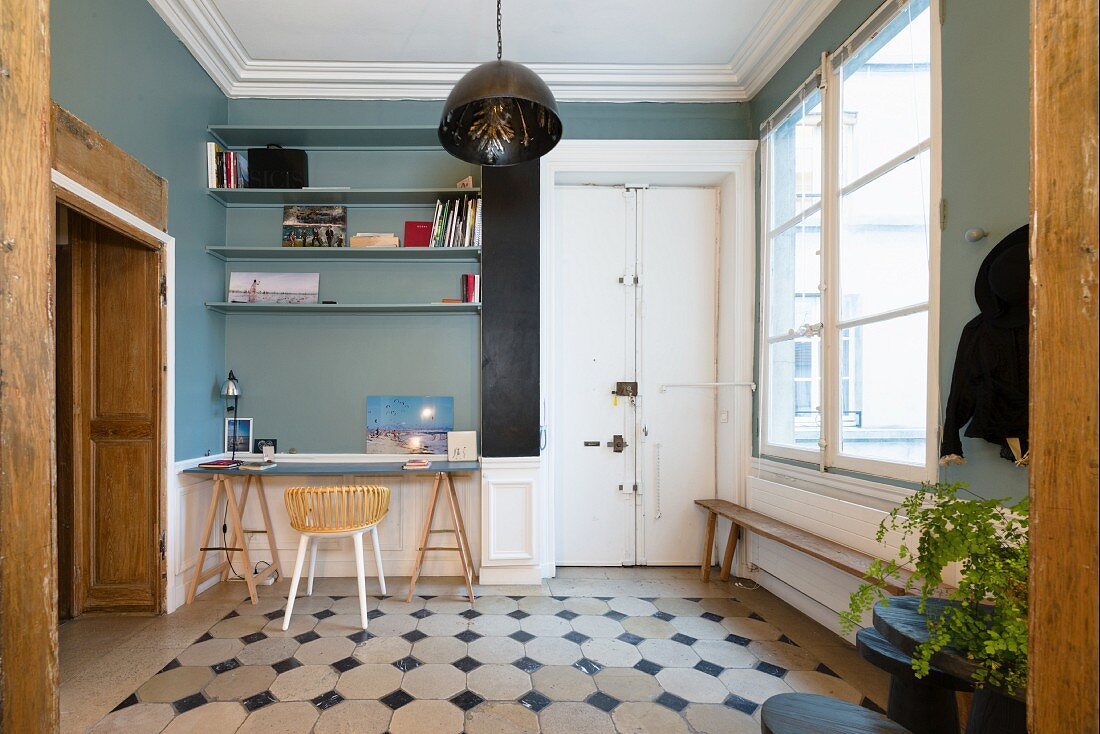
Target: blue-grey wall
(985, 167)
(118, 67)
(306, 378)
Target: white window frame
(828, 455)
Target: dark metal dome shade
(499, 114)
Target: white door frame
(730, 165)
(168, 501)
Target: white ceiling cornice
(203, 30)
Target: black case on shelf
(275, 167)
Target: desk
(223, 483)
(993, 711)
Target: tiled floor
(594, 650)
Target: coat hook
(975, 234)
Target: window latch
(806, 330)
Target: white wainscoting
(846, 511)
(510, 494)
(398, 533)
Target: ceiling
(607, 50)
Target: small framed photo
(260, 444)
(462, 446)
(238, 434)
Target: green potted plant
(989, 539)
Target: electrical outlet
(724, 416)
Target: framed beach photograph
(238, 434)
(274, 287)
(406, 424)
(315, 226)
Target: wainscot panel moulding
(509, 540)
(205, 32)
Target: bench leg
(708, 547)
(731, 545)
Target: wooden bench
(836, 555)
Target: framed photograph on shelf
(274, 287)
(315, 226)
(409, 424)
(260, 444)
(238, 434)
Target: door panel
(595, 231)
(116, 392)
(677, 342)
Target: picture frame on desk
(239, 434)
(260, 444)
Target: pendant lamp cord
(499, 43)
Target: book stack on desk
(221, 464)
(257, 465)
(417, 464)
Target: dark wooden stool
(924, 705)
(808, 713)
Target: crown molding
(206, 34)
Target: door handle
(617, 444)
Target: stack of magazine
(457, 222)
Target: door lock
(617, 444)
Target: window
(850, 254)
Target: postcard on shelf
(238, 434)
(417, 464)
(462, 446)
(407, 424)
(466, 183)
(315, 226)
(273, 288)
(418, 234)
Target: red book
(418, 234)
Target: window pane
(794, 393)
(885, 93)
(887, 363)
(884, 242)
(794, 163)
(794, 277)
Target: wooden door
(116, 418)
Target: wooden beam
(87, 157)
(1062, 690)
(28, 605)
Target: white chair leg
(312, 565)
(360, 575)
(302, 545)
(378, 559)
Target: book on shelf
(375, 239)
(225, 169)
(456, 222)
(418, 234)
(221, 464)
(471, 288)
(417, 464)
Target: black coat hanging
(989, 385)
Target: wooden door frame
(1062, 687)
(103, 183)
(28, 548)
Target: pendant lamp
(499, 114)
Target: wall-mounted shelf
(392, 308)
(348, 254)
(347, 197)
(328, 137)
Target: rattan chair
(336, 512)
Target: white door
(596, 243)
(636, 293)
(677, 338)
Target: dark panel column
(510, 318)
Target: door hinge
(628, 280)
(164, 290)
(943, 214)
(163, 546)
(943, 11)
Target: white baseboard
(509, 576)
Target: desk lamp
(231, 390)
